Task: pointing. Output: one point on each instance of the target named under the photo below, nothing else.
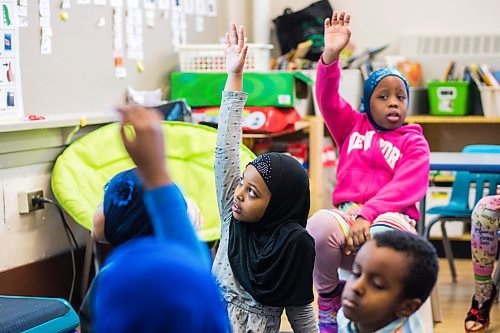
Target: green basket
(448, 98)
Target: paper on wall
(200, 7)
(211, 8)
(189, 6)
(22, 11)
(46, 45)
(150, 18)
(11, 103)
(164, 4)
(47, 31)
(65, 4)
(44, 21)
(149, 4)
(116, 3)
(133, 4)
(176, 5)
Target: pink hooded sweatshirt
(385, 171)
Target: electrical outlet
(25, 199)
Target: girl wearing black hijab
(265, 259)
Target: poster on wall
(10, 82)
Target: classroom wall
(79, 78)
(76, 79)
(378, 22)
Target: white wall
(378, 22)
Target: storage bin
(265, 89)
(212, 58)
(448, 98)
(490, 99)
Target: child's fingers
(327, 23)
(349, 245)
(244, 53)
(234, 34)
(367, 234)
(126, 142)
(241, 36)
(347, 20)
(228, 41)
(341, 18)
(334, 17)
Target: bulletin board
(73, 65)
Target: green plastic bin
(448, 98)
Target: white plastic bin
(212, 58)
(490, 99)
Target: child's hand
(236, 50)
(147, 148)
(359, 234)
(337, 35)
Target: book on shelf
(448, 73)
(488, 77)
(476, 76)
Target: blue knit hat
(370, 85)
(125, 213)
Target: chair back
(87, 164)
(484, 180)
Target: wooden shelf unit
(427, 119)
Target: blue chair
(458, 208)
(36, 315)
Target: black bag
(307, 24)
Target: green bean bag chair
(87, 164)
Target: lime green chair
(87, 164)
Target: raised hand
(236, 50)
(337, 36)
(146, 148)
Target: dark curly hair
(423, 266)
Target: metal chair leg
(427, 229)
(448, 252)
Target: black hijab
(273, 259)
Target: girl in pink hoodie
(383, 168)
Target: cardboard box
(279, 89)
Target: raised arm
(227, 150)
(164, 201)
(339, 115)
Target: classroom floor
(454, 299)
